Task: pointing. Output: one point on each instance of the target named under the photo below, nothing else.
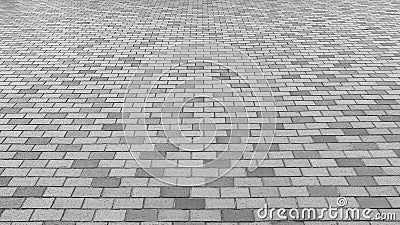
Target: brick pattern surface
(87, 87)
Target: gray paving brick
(231, 215)
(142, 215)
(373, 202)
(261, 172)
(190, 203)
(29, 191)
(106, 182)
(319, 191)
(361, 181)
(350, 162)
(175, 192)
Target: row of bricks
(204, 192)
(227, 215)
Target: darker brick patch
(369, 171)
(19, 121)
(95, 172)
(221, 182)
(27, 155)
(300, 93)
(306, 154)
(324, 139)
(389, 118)
(355, 132)
(219, 163)
(149, 172)
(106, 182)
(261, 172)
(373, 202)
(175, 192)
(317, 191)
(365, 146)
(393, 138)
(361, 181)
(29, 192)
(4, 181)
(303, 119)
(141, 215)
(38, 141)
(85, 163)
(349, 162)
(190, 203)
(234, 215)
(165, 148)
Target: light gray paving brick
(65, 203)
(34, 203)
(80, 215)
(109, 215)
(205, 215)
(47, 215)
(13, 215)
(174, 215)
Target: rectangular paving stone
(173, 215)
(350, 162)
(106, 182)
(373, 202)
(175, 192)
(361, 181)
(109, 215)
(190, 203)
(141, 215)
(234, 215)
(323, 191)
(29, 191)
(261, 172)
(78, 215)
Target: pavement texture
(197, 112)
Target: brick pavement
(132, 112)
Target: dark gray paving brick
(106, 182)
(321, 191)
(324, 139)
(27, 155)
(4, 181)
(349, 162)
(373, 202)
(190, 203)
(261, 172)
(175, 192)
(29, 191)
(235, 215)
(361, 181)
(85, 163)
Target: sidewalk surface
(197, 112)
